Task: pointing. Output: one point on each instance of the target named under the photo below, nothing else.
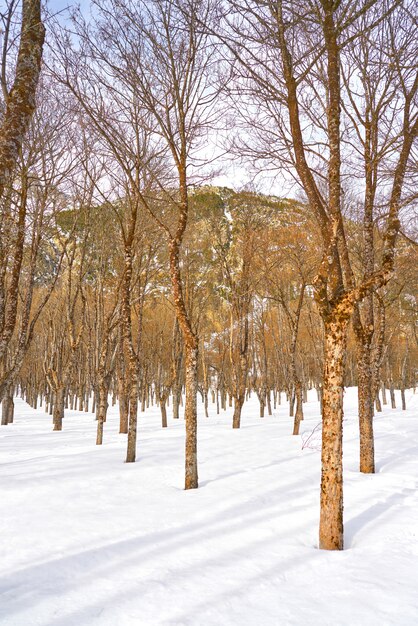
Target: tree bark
(238, 404)
(5, 410)
(123, 413)
(331, 511)
(58, 413)
(365, 408)
(262, 401)
(403, 397)
(163, 409)
(102, 411)
(20, 103)
(240, 382)
(191, 476)
(299, 408)
(392, 395)
(384, 393)
(133, 418)
(11, 407)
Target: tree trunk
(299, 408)
(102, 411)
(238, 404)
(163, 412)
(5, 410)
(123, 408)
(20, 104)
(205, 402)
(331, 504)
(385, 401)
(268, 396)
(403, 397)
(11, 407)
(133, 417)
(403, 380)
(8, 406)
(129, 356)
(392, 395)
(58, 411)
(292, 398)
(176, 402)
(365, 407)
(262, 400)
(191, 478)
(223, 399)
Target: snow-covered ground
(86, 539)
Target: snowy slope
(87, 539)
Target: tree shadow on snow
(356, 526)
(28, 587)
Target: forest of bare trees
(127, 275)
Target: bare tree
(28, 223)
(129, 158)
(302, 103)
(17, 110)
(165, 58)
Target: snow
(87, 539)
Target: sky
(233, 174)
(60, 4)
